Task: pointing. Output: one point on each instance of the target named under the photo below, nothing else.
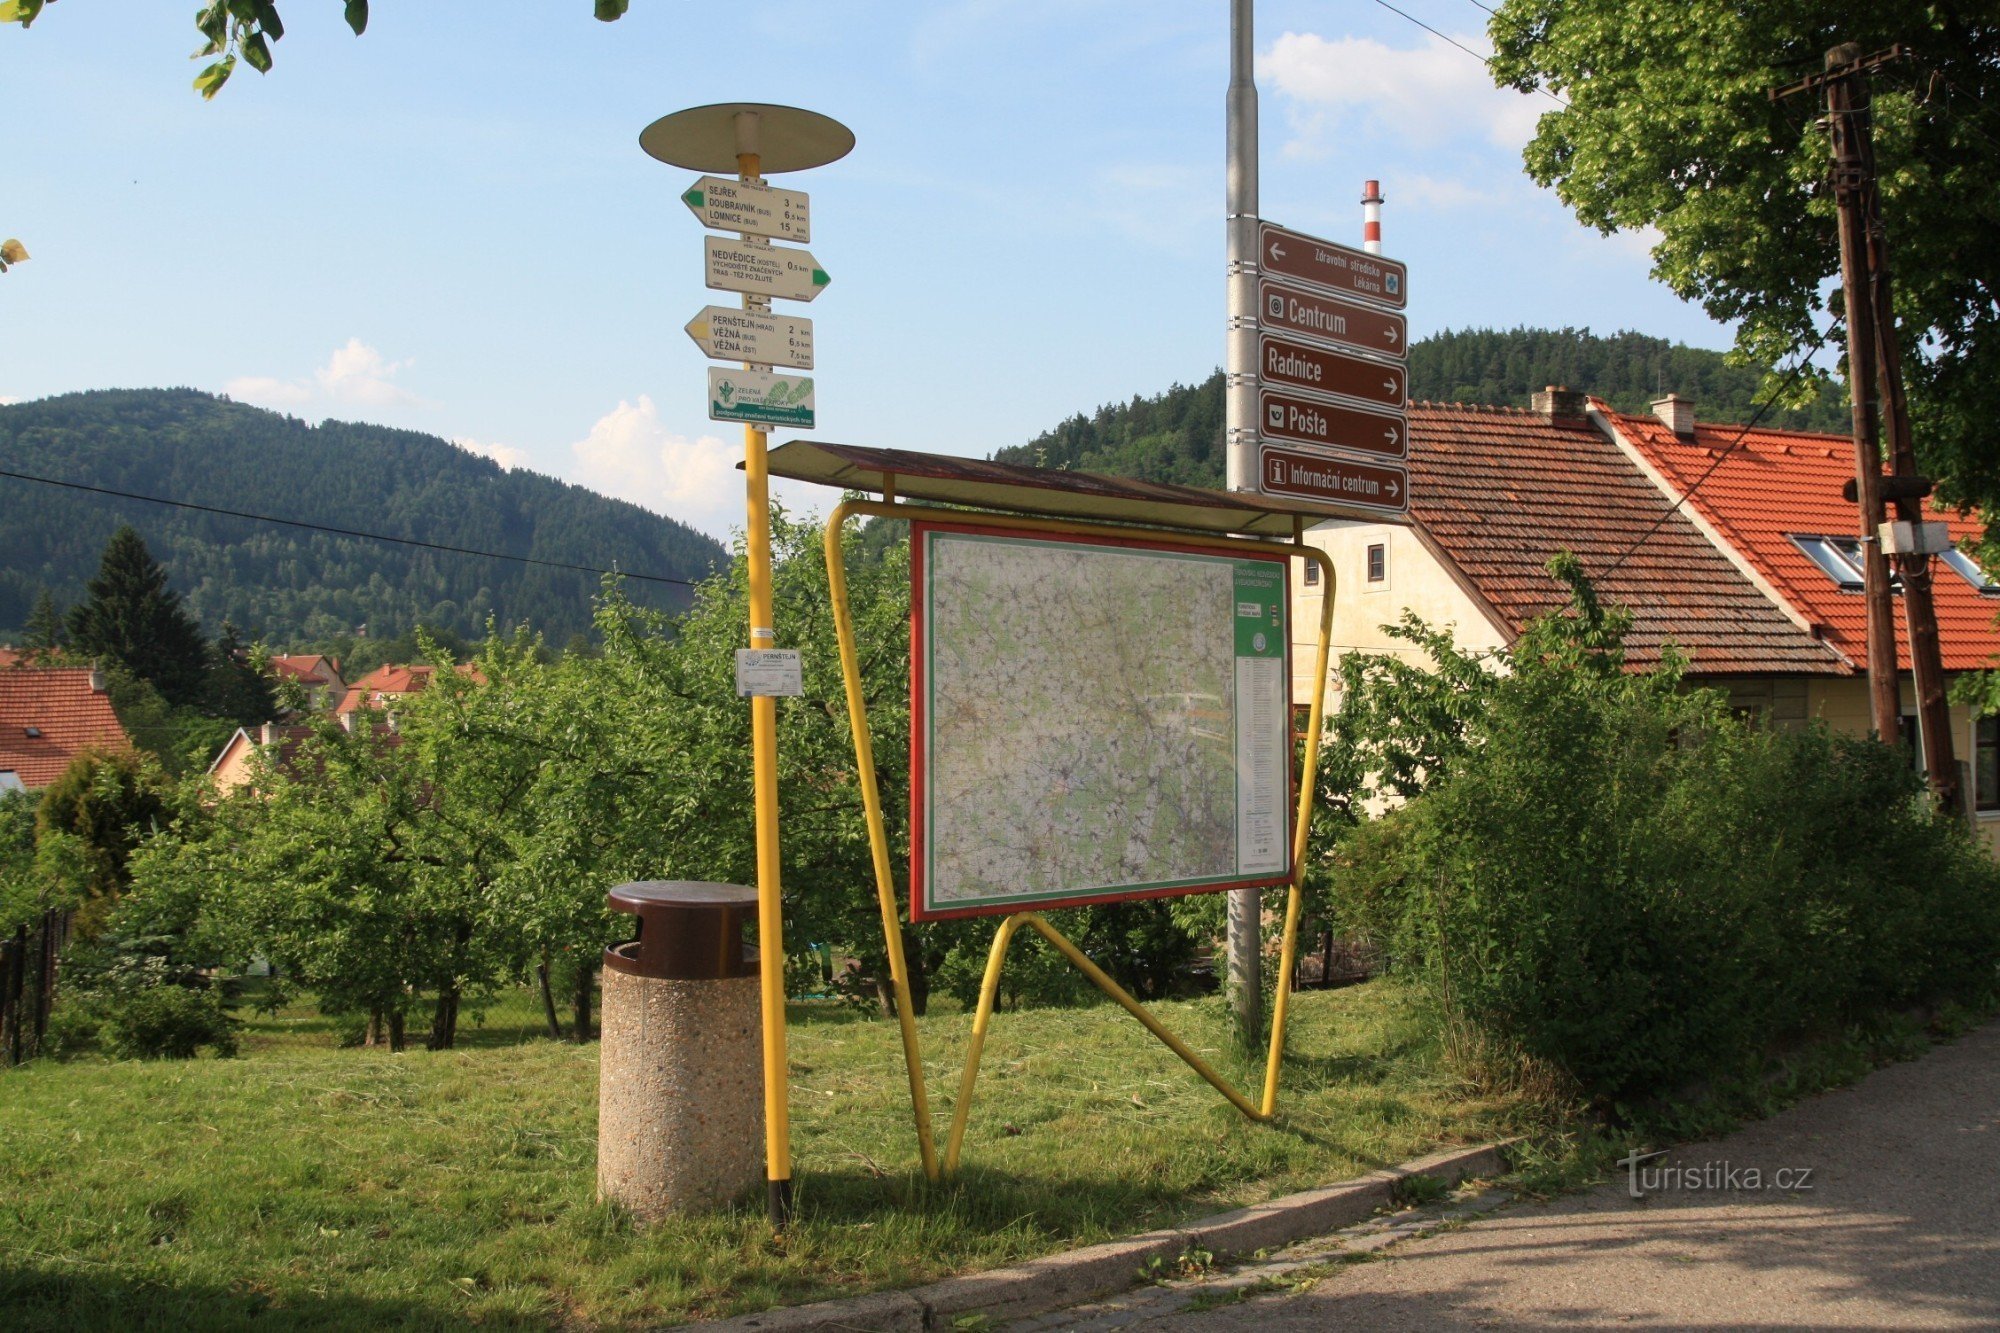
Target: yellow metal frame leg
(878, 838)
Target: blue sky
(447, 223)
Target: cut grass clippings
(310, 1186)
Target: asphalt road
(1897, 1226)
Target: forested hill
(1177, 435)
(291, 585)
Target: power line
(1486, 61)
(1750, 425)
(343, 532)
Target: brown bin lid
(689, 930)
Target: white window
(1969, 570)
(1838, 558)
(11, 781)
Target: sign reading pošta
(762, 270)
(750, 207)
(760, 398)
(756, 336)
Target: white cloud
(1442, 194)
(632, 454)
(7, 402)
(354, 373)
(1429, 94)
(506, 455)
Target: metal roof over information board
(945, 479)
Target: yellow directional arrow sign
(753, 336)
(763, 270)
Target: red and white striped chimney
(1371, 217)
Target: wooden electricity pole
(1872, 351)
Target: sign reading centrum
(1337, 268)
(1282, 308)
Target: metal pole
(764, 773)
(1884, 694)
(1240, 420)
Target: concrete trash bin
(680, 1109)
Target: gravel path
(1897, 1226)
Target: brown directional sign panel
(1333, 480)
(1338, 268)
(1289, 416)
(1286, 309)
(1300, 365)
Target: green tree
(134, 620)
(46, 634)
(93, 816)
(238, 688)
(244, 30)
(1665, 122)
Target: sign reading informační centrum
(1095, 720)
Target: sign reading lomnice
(747, 206)
(1094, 720)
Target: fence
(28, 968)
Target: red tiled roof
(1501, 490)
(1777, 484)
(58, 702)
(306, 667)
(392, 680)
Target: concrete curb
(1062, 1280)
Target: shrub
(165, 1021)
(1617, 878)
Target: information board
(1094, 720)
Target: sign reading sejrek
(1330, 319)
(1333, 480)
(1300, 365)
(747, 206)
(1286, 416)
(1337, 268)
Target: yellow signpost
(1071, 505)
(752, 138)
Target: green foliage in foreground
(1606, 876)
(306, 1187)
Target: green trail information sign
(1095, 720)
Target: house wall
(1414, 581)
(1842, 703)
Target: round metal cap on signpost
(749, 139)
(711, 138)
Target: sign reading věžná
(756, 336)
(760, 398)
(750, 207)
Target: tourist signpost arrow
(1299, 310)
(750, 207)
(1329, 425)
(1301, 365)
(756, 336)
(1333, 480)
(1338, 268)
(762, 269)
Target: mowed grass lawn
(307, 1186)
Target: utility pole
(1246, 906)
(1872, 351)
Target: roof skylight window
(1969, 570)
(1839, 558)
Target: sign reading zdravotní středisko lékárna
(760, 398)
(1094, 720)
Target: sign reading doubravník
(749, 206)
(1333, 479)
(760, 398)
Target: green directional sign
(746, 206)
(762, 269)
